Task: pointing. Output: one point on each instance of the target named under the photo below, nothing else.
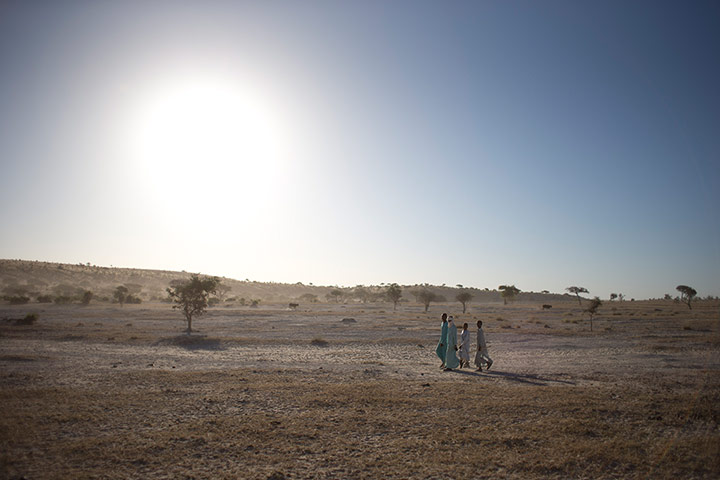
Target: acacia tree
(464, 297)
(335, 294)
(577, 291)
(426, 296)
(222, 292)
(394, 293)
(592, 309)
(120, 294)
(686, 294)
(192, 296)
(613, 296)
(508, 292)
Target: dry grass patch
(253, 424)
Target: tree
(426, 296)
(87, 296)
(592, 309)
(508, 292)
(613, 296)
(120, 294)
(621, 297)
(416, 293)
(577, 291)
(361, 293)
(222, 292)
(192, 296)
(336, 294)
(308, 297)
(394, 293)
(464, 297)
(686, 294)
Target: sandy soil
(286, 362)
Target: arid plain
(354, 391)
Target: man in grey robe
(482, 356)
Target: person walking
(464, 348)
(451, 360)
(482, 356)
(440, 350)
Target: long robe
(464, 350)
(441, 347)
(482, 356)
(451, 360)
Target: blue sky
(541, 144)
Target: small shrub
(44, 298)
(319, 342)
(63, 300)
(29, 319)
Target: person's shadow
(515, 377)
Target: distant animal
(293, 306)
(546, 307)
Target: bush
(133, 299)
(29, 319)
(44, 298)
(87, 296)
(63, 299)
(17, 299)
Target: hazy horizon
(478, 143)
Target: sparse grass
(240, 424)
(136, 420)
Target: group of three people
(448, 345)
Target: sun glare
(208, 136)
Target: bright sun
(208, 136)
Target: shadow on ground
(514, 377)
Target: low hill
(34, 279)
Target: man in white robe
(451, 360)
(482, 356)
(464, 347)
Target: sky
(540, 144)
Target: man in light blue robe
(440, 350)
(451, 360)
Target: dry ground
(110, 392)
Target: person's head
(465, 325)
(450, 318)
(444, 317)
(479, 323)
